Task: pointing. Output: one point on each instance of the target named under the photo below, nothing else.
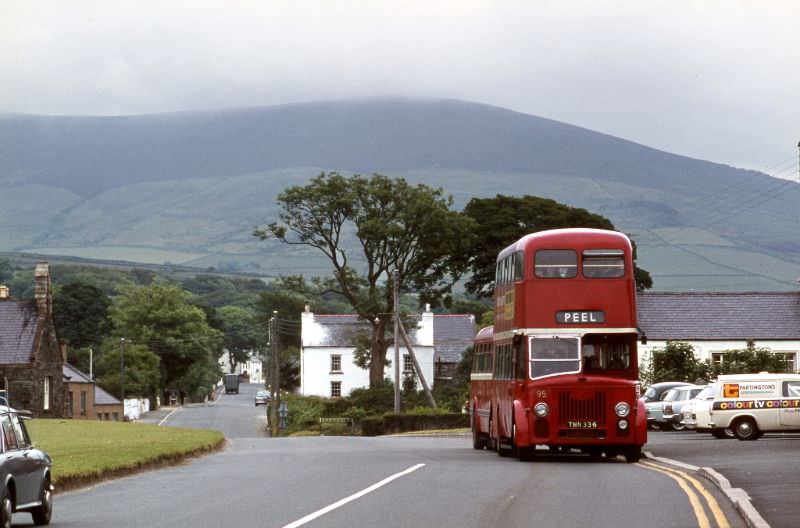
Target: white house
(327, 349)
(715, 322)
(253, 366)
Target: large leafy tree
(750, 360)
(160, 317)
(368, 227)
(80, 313)
(142, 370)
(501, 220)
(241, 334)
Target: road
(768, 469)
(327, 482)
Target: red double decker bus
(559, 367)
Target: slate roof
(101, 397)
(452, 335)
(17, 331)
(718, 316)
(74, 375)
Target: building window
(83, 403)
(69, 405)
(116, 416)
(716, 359)
(336, 389)
(790, 358)
(408, 365)
(46, 402)
(336, 363)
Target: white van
(751, 404)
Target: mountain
(188, 188)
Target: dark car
(262, 398)
(25, 472)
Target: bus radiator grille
(588, 408)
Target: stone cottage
(31, 360)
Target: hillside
(188, 188)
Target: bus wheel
(595, 453)
(633, 454)
(477, 441)
(745, 429)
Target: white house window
(336, 389)
(46, 402)
(716, 359)
(408, 365)
(336, 363)
(790, 358)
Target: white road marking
(167, 416)
(323, 511)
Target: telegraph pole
(122, 369)
(275, 376)
(396, 287)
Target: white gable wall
(315, 358)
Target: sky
(710, 79)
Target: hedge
(401, 423)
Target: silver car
(673, 402)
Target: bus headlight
(622, 424)
(541, 410)
(622, 409)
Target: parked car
(696, 414)
(262, 398)
(672, 403)
(25, 472)
(653, 399)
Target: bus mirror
(517, 340)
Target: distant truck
(231, 383)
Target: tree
(160, 318)
(80, 313)
(675, 362)
(241, 334)
(142, 370)
(501, 220)
(368, 227)
(6, 271)
(750, 360)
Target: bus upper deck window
(603, 263)
(556, 264)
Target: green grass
(86, 450)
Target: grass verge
(84, 452)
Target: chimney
(44, 299)
(62, 345)
(3, 292)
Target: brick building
(30, 359)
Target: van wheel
(722, 434)
(745, 429)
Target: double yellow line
(684, 479)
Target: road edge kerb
(78, 482)
(738, 497)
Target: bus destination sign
(580, 317)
